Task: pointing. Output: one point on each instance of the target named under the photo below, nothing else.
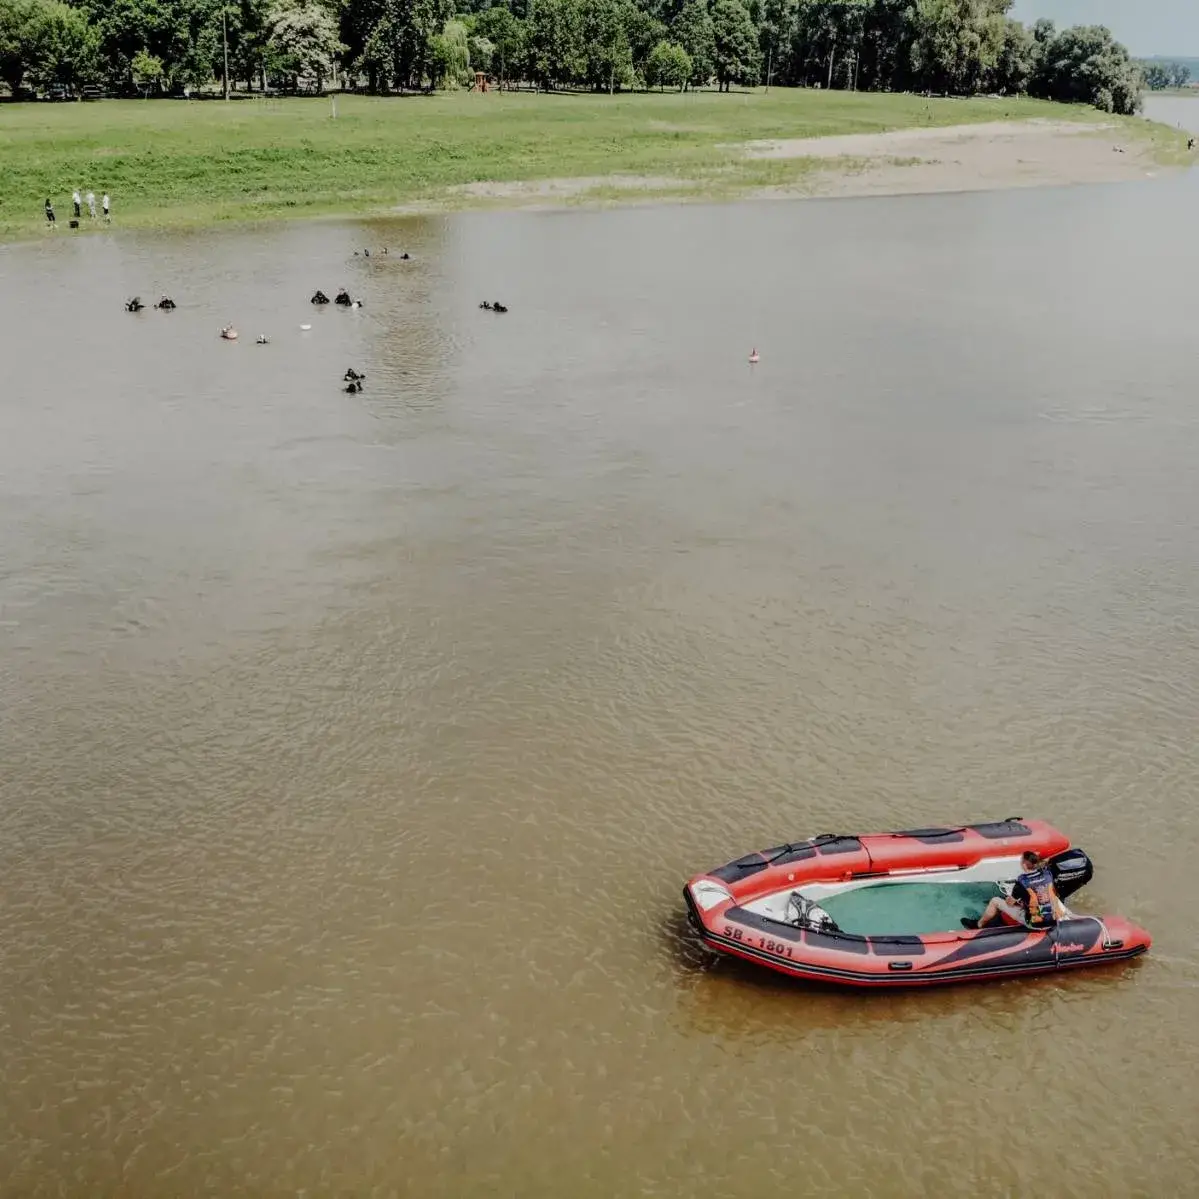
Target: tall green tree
(553, 43)
(1087, 64)
(45, 42)
(247, 24)
(1017, 59)
(607, 55)
(507, 34)
(644, 32)
(668, 65)
(184, 35)
(957, 43)
(482, 51)
(775, 24)
(1157, 78)
(692, 29)
(303, 42)
(396, 39)
(886, 48)
(147, 72)
(125, 29)
(736, 43)
(829, 39)
(21, 32)
(69, 48)
(450, 56)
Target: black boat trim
(830, 844)
(933, 836)
(960, 974)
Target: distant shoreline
(985, 157)
(174, 165)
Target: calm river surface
(355, 748)
(1181, 111)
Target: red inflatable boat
(885, 910)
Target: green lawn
(174, 163)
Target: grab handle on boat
(929, 832)
(812, 842)
(899, 965)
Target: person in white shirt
(104, 205)
(91, 205)
(77, 201)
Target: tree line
(1161, 75)
(954, 47)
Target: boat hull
(717, 904)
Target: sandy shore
(981, 157)
(968, 158)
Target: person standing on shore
(91, 204)
(104, 205)
(77, 201)
(49, 213)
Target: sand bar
(994, 155)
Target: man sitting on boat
(1033, 902)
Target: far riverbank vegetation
(1171, 74)
(150, 48)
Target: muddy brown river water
(354, 749)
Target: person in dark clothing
(1034, 902)
(49, 212)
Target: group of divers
(352, 379)
(136, 305)
(343, 298)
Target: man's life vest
(1039, 886)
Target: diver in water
(319, 297)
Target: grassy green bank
(174, 163)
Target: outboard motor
(1071, 870)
